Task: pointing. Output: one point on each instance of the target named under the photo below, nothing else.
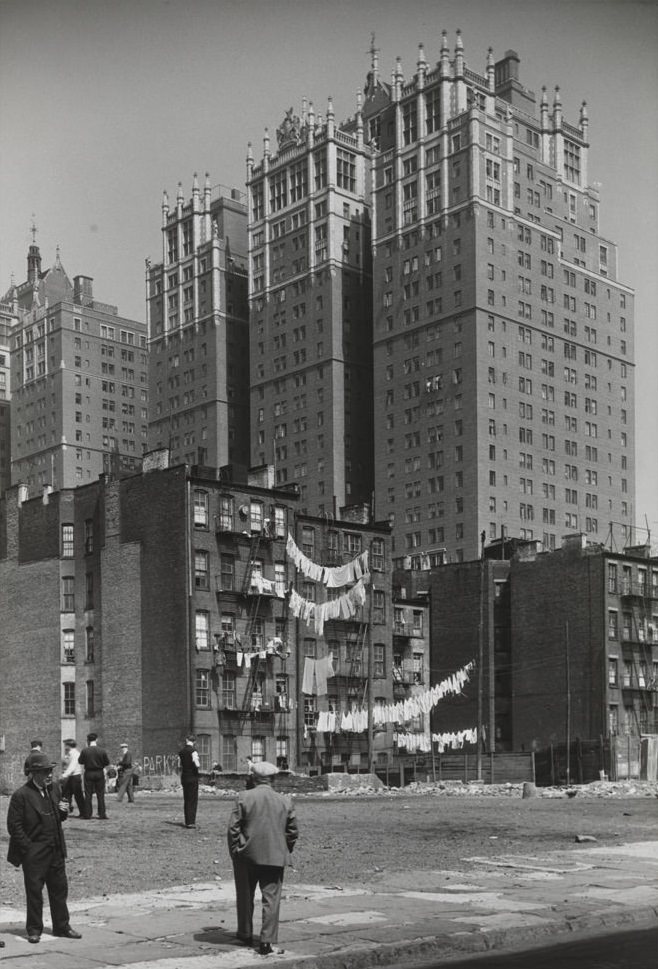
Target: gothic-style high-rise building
(500, 341)
(311, 309)
(197, 320)
(503, 343)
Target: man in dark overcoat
(261, 834)
(36, 842)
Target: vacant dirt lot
(342, 839)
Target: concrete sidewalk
(440, 915)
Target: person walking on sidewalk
(125, 775)
(36, 842)
(189, 777)
(94, 759)
(72, 777)
(261, 834)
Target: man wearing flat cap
(36, 746)
(261, 834)
(36, 842)
(125, 774)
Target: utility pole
(371, 758)
(480, 662)
(568, 686)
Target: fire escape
(252, 709)
(639, 640)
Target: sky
(106, 103)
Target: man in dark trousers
(94, 760)
(72, 777)
(189, 777)
(125, 773)
(36, 841)
(262, 832)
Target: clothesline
(317, 613)
(332, 577)
(355, 718)
(454, 740)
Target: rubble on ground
(351, 788)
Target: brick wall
(556, 597)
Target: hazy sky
(104, 103)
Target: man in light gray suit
(262, 832)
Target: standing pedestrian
(72, 777)
(94, 759)
(189, 776)
(261, 834)
(36, 747)
(125, 775)
(36, 841)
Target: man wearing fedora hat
(261, 834)
(36, 842)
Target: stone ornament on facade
(290, 130)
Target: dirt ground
(342, 839)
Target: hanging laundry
(333, 578)
(455, 740)
(321, 667)
(308, 677)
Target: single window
(67, 541)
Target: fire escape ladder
(250, 685)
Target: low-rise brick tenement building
(569, 643)
(163, 602)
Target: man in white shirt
(72, 777)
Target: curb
(451, 948)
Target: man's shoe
(34, 937)
(67, 934)
(265, 949)
(244, 940)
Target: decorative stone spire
(557, 108)
(374, 60)
(179, 196)
(422, 60)
(396, 79)
(459, 55)
(330, 117)
(266, 143)
(445, 55)
(491, 70)
(33, 257)
(543, 109)
(584, 120)
(310, 128)
(359, 118)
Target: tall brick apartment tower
(503, 339)
(78, 381)
(311, 309)
(198, 332)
